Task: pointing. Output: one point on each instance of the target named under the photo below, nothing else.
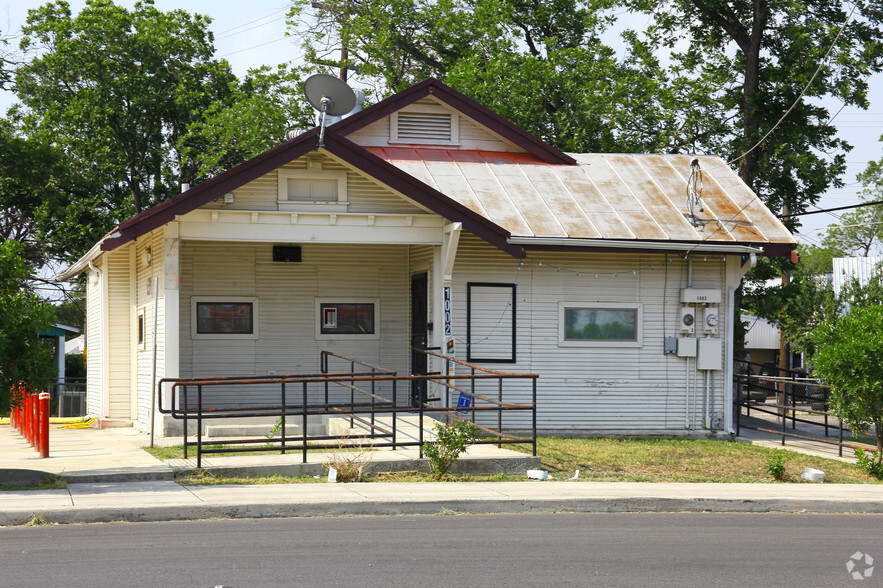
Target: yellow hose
(83, 425)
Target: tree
(115, 92)
(771, 49)
(541, 65)
(849, 359)
(23, 357)
(253, 119)
(861, 230)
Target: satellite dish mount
(328, 95)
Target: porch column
(442, 276)
(735, 269)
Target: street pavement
(111, 479)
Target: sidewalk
(101, 465)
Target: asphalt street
(598, 549)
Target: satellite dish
(328, 95)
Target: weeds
(347, 463)
(37, 520)
(775, 464)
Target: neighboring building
(848, 268)
(762, 340)
(583, 268)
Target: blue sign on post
(465, 401)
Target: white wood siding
(472, 135)
(286, 315)
(640, 390)
(119, 350)
(147, 274)
(94, 344)
(363, 194)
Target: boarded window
(224, 318)
(346, 318)
(490, 322)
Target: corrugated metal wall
(596, 388)
(847, 268)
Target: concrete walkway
(112, 479)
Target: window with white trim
(224, 317)
(312, 187)
(352, 319)
(600, 324)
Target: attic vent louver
(424, 127)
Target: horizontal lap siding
(595, 388)
(287, 320)
(145, 297)
(119, 348)
(94, 344)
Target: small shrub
(775, 465)
(277, 428)
(867, 462)
(451, 439)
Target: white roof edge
(81, 264)
(606, 243)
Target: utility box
(688, 319)
(687, 347)
(700, 296)
(709, 354)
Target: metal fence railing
(786, 397)
(371, 397)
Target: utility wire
(784, 216)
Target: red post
(43, 425)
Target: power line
(783, 216)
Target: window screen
(600, 324)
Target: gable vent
(424, 127)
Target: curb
(461, 506)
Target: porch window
(600, 324)
(348, 319)
(490, 322)
(221, 318)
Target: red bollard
(43, 424)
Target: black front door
(419, 334)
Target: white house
(592, 270)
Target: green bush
(869, 462)
(775, 465)
(451, 439)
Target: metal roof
(625, 197)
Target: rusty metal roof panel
(604, 196)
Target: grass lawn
(679, 460)
(616, 460)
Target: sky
(252, 34)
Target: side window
(490, 322)
(600, 324)
(353, 320)
(142, 329)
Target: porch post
(442, 277)
(734, 270)
(170, 307)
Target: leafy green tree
(255, 117)
(23, 357)
(849, 359)
(541, 65)
(115, 91)
(769, 51)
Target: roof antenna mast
(328, 95)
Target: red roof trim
(462, 103)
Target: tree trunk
(751, 97)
